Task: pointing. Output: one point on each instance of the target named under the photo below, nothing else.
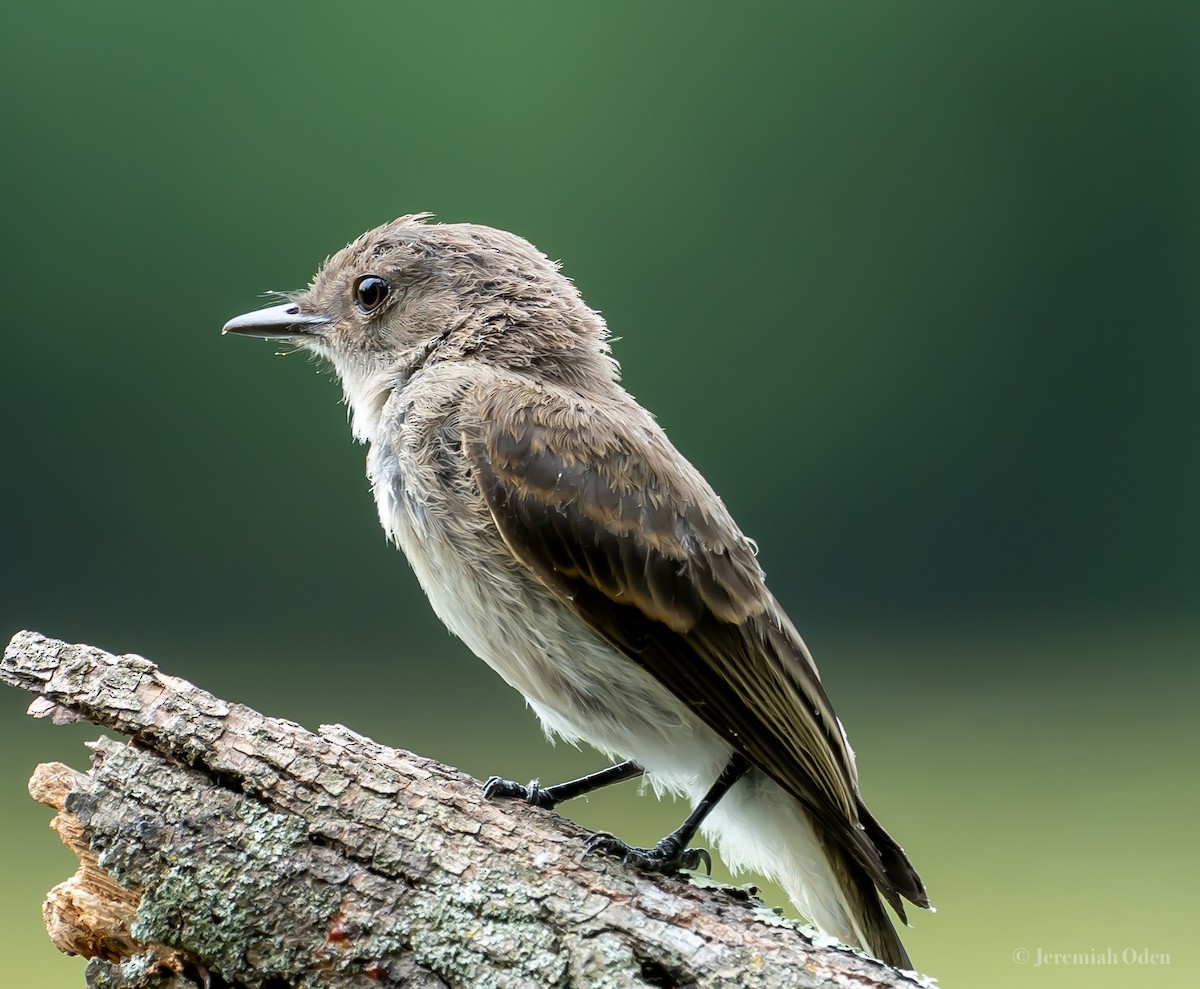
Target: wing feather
(604, 511)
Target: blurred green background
(913, 284)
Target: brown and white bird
(559, 533)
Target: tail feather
(761, 827)
(899, 869)
(876, 933)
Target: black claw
(496, 787)
(605, 844)
(694, 857)
(666, 857)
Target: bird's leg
(550, 796)
(672, 853)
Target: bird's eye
(369, 293)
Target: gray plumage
(561, 536)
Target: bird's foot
(669, 855)
(534, 793)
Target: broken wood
(220, 847)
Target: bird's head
(410, 294)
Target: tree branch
(224, 848)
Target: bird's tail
(873, 928)
(762, 828)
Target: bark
(220, 847)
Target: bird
(558, 532)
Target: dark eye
(369, 293)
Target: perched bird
(559, 533)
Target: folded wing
(604, 511)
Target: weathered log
(220, 847)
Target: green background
(913, 284)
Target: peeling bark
(226, 848)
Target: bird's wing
(607, 514)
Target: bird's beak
(278, 322)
